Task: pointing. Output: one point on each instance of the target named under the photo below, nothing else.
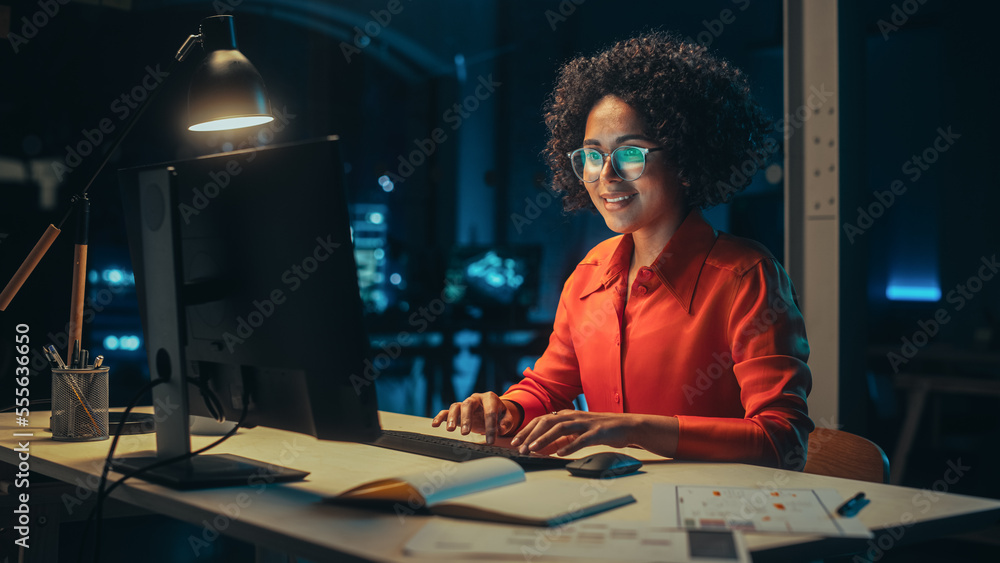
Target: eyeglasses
(628, 162)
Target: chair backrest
(841, 454)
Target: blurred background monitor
(493, 281)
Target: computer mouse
(604, 464)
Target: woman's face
(646, 206)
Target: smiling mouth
(617, 199)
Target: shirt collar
(678, 265)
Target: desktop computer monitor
(247, 286)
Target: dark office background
(485, 186)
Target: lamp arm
(79, 286)
(186, 47)
(50, 234)
(28, 266)
(124, 132)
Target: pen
(98, 361)
(84, 358)
(55, 354)
(853, 505)
(48, 356)
(75, 355)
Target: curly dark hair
(696, 105)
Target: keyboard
(460, 450)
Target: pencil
(83, 403)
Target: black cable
(188, 455)
(212, 402)
(114, 443)
(77, 198)
(102, 494)
(35, 402)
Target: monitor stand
(207, 471)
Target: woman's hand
(482, 413)
(567, 431)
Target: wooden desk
(292, 519)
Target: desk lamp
(226, 92)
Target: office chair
(841, 454)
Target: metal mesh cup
(79, 404)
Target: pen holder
(79, 404)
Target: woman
(685, 341)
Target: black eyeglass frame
(605, 156)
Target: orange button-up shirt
(711, 334)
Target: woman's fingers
(493, 412)
(453, 415)
(541, 432)
(559, 433)
(441, 417)
(569, 446)
(483, 413)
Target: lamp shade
(226, 91)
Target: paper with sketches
(796, 511)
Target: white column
(812, 186)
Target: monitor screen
(247, 282)
(487, 279)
